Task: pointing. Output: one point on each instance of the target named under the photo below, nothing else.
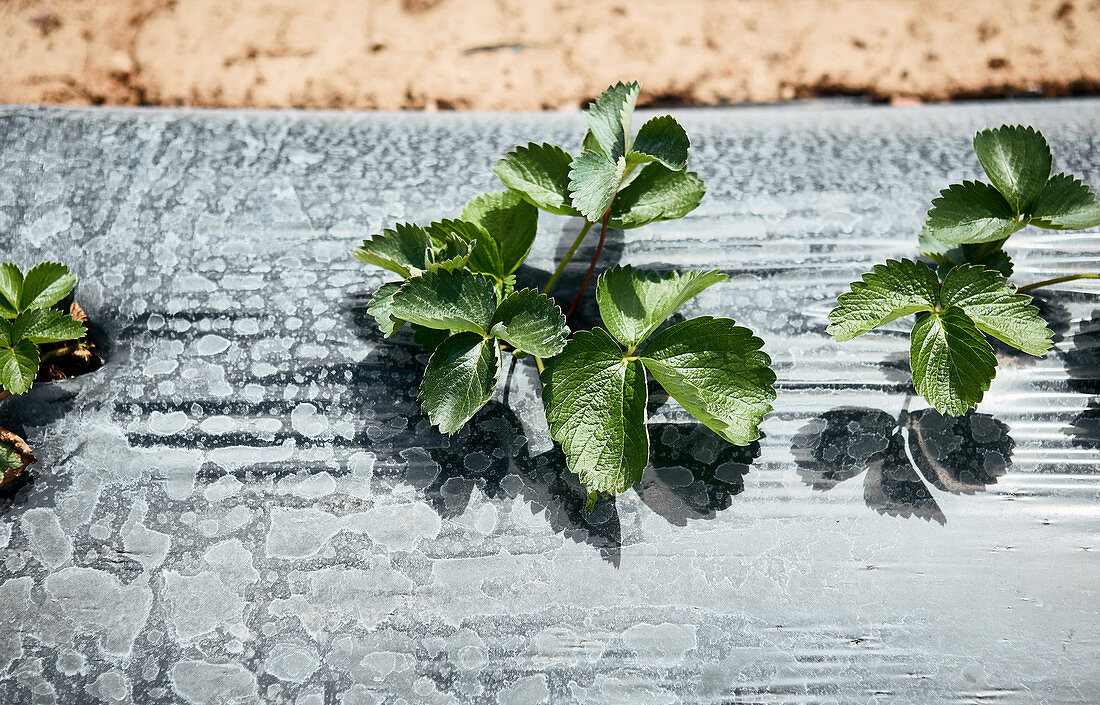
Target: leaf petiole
(1058, 280)
(568, 256)
(591, 267)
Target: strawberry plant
(968, 296)
(31, 331)
(458, 294)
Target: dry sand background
(538, 54)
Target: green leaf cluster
(952, 362)
(458, 294)
(968, 297)
(633, 179)
(28, 321)
(970, 222)
(596, 390)
(464, 368)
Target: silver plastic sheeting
(245, 504)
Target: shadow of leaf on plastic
(693, 473)
(490, 455)
(1082, 363)
(960, 455)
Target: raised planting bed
(246, 504)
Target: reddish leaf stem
(591, 267)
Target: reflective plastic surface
(245, 504)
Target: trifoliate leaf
(1017, 160)
(460, 378)
(661, 139)
(18, 366)
(403, 249)
(633, 303)
(381, 306)
(988, 254)
(609, 118)
(995, 307)
(656, 194)
(46, 326)
(11, 285)
(596, 408)
(531, 322)
(510, 220)
(953, 364)
(484, 251)
(717, 372)
(890, 291)
(593, 183)
(45, 285)
(1065, 204)
(457, 301)
(971, 212)
(539, 173)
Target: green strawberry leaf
(596, 408)
(508, 286)
(1065, 204)
(404, 249)
(890, 291)
(510, 220)
(451, 244)
(971, 212)
(381, 306)
(995, 307)
(484, 251)
(9, 459)
(456, 301)
(428, 338)
(656, 194)
(634, 303)
(531, 322)
(46, 326)
(593, 182)
(45, 285)
(539, 173)
(1017, 160)
(590, 144)
(609, 118)
(953, 364)
(460, 378)
(661, 139)
(988, 254)
(717, 372)
(11, 285)
(18, 366)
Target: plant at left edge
(458, 293)
(32, 331)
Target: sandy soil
(537, 54)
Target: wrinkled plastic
(245, 503)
